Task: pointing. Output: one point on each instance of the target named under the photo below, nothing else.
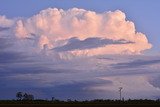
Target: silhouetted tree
(25, 96)
(19, 95)
(28, 97)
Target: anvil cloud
(54, 27)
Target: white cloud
(55, 25)
(4, 22)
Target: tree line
(21, 96)
(24, 96)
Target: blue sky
(81, 52)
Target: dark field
(94, 103)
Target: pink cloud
(4, 22)
(54, 25)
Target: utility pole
(120, 92)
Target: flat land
(93, 103)
(79, 105)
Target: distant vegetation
(24, 96)
(28, 99)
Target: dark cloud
(4, 43)
(7, 55)
(89, 43)
(155, 81)
(33, 69)
(4, 28)
(136, 63)
(12, 63)
(11, 57)
(105, 58)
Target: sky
(80, 49)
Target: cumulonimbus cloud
(55, 26)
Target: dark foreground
(79, 105)
(93, 103)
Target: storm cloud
(136, 63)
(89, 43)
(53, 26)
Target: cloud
(154, 80)
(33, 51)
(4, 28)
(136, 63)
(134, 86)
(82, 78)
(10, 57)
(89, 43)
(5, 22)
(54, 26)
(4, 44)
